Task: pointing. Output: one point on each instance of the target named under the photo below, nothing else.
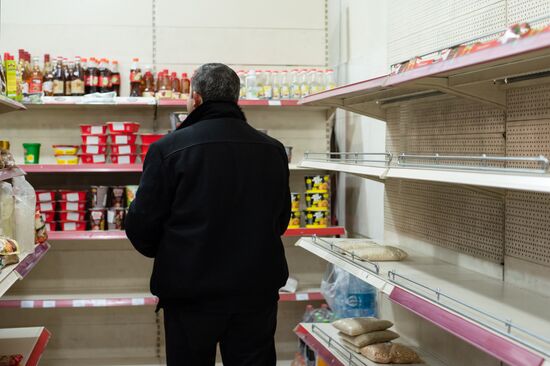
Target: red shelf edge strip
(498, 347)
(39, 348)
(315, 345)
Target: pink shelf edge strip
(498, 347)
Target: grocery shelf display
(26, 344)
(8, 105)
(9, 275)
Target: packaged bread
(350, 346)
(390, 353)
(356, 326)
(381, 253)
(8, 246)
(352, 245)
(6, 260)
(362, 340)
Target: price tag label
(274, 102)
(27, 304)
(48, 304)
(138, 301)
(302, 297)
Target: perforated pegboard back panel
(527, 10)
(447, 216)
(528, 226)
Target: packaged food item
(66, 159)
(6, 158)
(381, 253)
(294, 220)
(115, 218)
(317, 182)
(129, 139)
(50, 226)
(25, 206)
(93, 130)
(94, 139)
(72, 196)
(7, 206)
(11, 360)
(71, 206)
(149, 138)
(94, 149)
(47, 216)
(123, 159)
(99, 196)
(72, 216)
(93, 158)
(65, 150)
(356, 326)
(72, 226)
(46, 206)
(41, 234)
(130, 194)
(97, 219)
(117, 128)
(316, 219)
(6, 260)
(117, 197)
(390, 353)
(32, 152)
(362, 340)
(45, 196)
(317, 201)
(350, 346)
(8, 246)
(124, 149)
(295, 201)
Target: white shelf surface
(28, 342)
(503, 180)
(324, 339)
(12, 273)
(525, 309)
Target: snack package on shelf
(391, 353)
(25, 204)
(41, 233)
(8, 246)
(6, 260)
(357, 326)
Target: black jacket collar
(213, 110)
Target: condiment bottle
(58, 79)
(47, 82)
(185, 86)
(104, 76)
(135, 78)
(68, 75)
(148, 84)
(115, 78)
(175, 86)
(77, 82)
(35, 78)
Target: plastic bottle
(330, 79)
(175, 86)
(242, 91)
(361, 299)
(115, 78)
(23, 74)
(148, 84)
(251, 85)
(304, 83)
(104, 76)
(285, 85)
(308, 315)
(276, 77)
(267, 85)
(24, 208)
(135, 78)
(295, 90)
(317, 82)
(260, 81)
(185, 86)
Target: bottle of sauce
(115, 78)
(104, 76)
(58, 79)
(35, 77)
(163, 85)
(68, 75)
(175, 86)
(148, 84)
(47, 82)
(135, 78)
(23, 74)
(185, 86)
(77, 82)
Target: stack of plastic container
(94, 144)
(123, 137)
(63, 210)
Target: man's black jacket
(211, 206)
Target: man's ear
(197, 99)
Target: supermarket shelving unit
(28, 342)
(97, 277)
(8, 105)
(466, 195)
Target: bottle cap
(135, 59)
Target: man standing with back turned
(212, 204)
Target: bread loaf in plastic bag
(390, 353)
(362, 340)
(381, 253)
(356, 326)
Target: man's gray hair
(216, 82)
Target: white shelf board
(500, 180)
(360, 170)
(8, 275)
(12, 273)
(340, 354)
(524, 308)
(504, 180)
